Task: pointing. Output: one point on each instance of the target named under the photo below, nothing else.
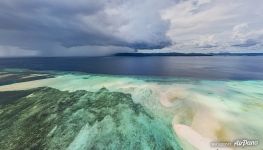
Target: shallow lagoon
(83, 111)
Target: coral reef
(47, 118)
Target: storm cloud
(104, 27)
(53, 27)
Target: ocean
(205, 67)
(180, 103)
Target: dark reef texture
(16, 76)
(47, 118)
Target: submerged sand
(199, 111)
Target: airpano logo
(245, 142)
(236, 143)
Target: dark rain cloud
(45, 25)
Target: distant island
(187, 54)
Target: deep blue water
(205, 67)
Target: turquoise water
(82, 111)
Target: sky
(105, 27)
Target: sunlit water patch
(79, 111)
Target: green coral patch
(47, 118)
